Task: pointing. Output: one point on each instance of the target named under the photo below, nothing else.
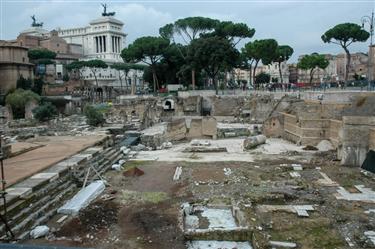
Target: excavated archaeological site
(198, 172)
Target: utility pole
(370, 21)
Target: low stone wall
(179, 129)
(335, 130)
(34, 200)
(311, 131)
(372, 139)
(357, 138)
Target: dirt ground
(141, 212)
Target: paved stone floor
(54, 149)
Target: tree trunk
(120, 83)
(347, 66)
(311, 75)
(281, 75)
(215, 85)
(154, 79)
(250, 74)
(254, 69)
(193, 78)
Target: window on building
(57, 45)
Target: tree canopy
(345, 34)
(213, 54)
(191, 28)
(283, 53)
(95, 64)
(234, 32)
(125, 68)
(188, 29)
(312, 62)
(260, 50)
(262, 78)
(41, 53)
(148, 50)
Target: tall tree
(189, 29)
(260, 50)
(234, 32)
(213, 54)
(125, 69)
(313, 62)
(345, 34)
(148, 50)
(95, 66)
(283, 53)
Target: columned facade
(103, 39)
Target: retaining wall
(35, 200)
(311, 131)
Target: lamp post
(370, 21)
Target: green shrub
(18, 100)
(93, 115)
(45, 112)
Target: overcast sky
(298, 23)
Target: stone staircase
(36, 199)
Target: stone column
(105, 43)
(100, 44)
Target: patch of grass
(154, 197)
(309, 233)
(218, 200)
(128, 197)
(132, 164)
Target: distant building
(320, 75)
(273, 70)
(371, 72)
(335, 71)
(293, 73)
(241, 75)
(358, 65)
(102, 39)
(36, 37)
(14, 63)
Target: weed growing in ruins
(93, 115)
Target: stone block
(209, 126)
(195, 130)
(176, 129)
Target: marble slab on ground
(216, 218)
(213, 244)
(300, 210)
(21, 192)
(364, 195)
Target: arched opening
(168, 105)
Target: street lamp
(370, 21)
